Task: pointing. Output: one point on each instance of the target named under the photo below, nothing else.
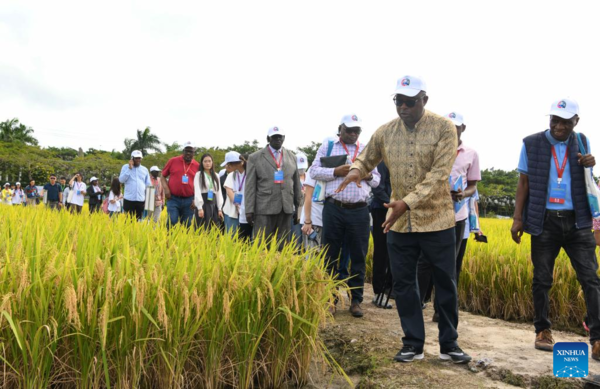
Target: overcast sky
(222, 72)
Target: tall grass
(496, 280)
(88, 301)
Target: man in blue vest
(552, 206)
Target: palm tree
(145, 142)
(13, 131)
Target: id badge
(210, 195)
(184, 179)
(558, 193)
(278, 177)
(237, 199)
(99, 197)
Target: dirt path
(365, 347)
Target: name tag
(237, 199)
(99, 197)
(278, 178)
(558, 193)
(185, 179)
(210, 195)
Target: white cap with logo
(301, 160)
(410, 86)
(351, 121)
(187, 144)
(456, 118)
(136, 154)
(231, 157)
(275, 131)
(564, 108)
(93, 179)
(154, 169)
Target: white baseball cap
(7, 184)
(136, 154)
(231, 157)
(302, 160)
(351, 121)
(93, 179)
(456, 118)
(188, 144)
(564, 108)
(275, 131)
(410, 86)
(154, 169)
(18, 183)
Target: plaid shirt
(352, 193)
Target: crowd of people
(412, 187)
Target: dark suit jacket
(262, 195)
(94, 196)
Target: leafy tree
(64, 153)
(172, 147)
(246, 148)
(13, 131)
(145, 141)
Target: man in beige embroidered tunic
(419, 149)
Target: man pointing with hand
(419, 149)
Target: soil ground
(503, 354)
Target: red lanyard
(241, 185)
(355, 151)
(560, 170)
(188, 168)
(280, 159)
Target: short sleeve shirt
(466, 165)
(175, 169)
(52, 191)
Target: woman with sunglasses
(208, 199)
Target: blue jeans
(350, 226)
(231, 224)
(180, 211)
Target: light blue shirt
(561, 149)
(136, 180)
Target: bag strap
(582, 148)
(329, 148)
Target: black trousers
(135, 208)
(439, 249)
(382, 276)
(425, 269)
(352, 226)
(94, 207)
(580, 246)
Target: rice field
(89, 302)
(496, 280)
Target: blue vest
(539, 156)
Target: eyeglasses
(408, 102)
(353, 130)
(53, 178)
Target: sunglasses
(408, 102)
(353, 130)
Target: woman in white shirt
(77, 194)
(114, 197)
(18, 197)
(234, 185)
(207, 194)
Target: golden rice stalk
(71, 307)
